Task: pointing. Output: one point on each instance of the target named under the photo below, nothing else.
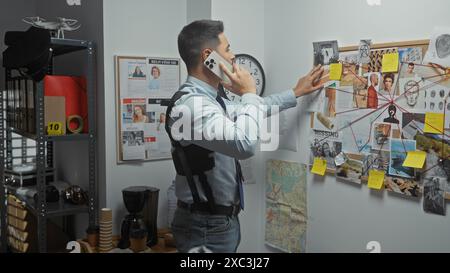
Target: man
(372, 96)
(209, 179)
(410, 70)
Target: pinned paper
(319, 166)
(335, 72)
(376, 179)
(434, 123)
(340, 159)
(390, 62)
(415, 159)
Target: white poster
(144, 85)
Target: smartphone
(212, 63)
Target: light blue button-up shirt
(240, 125)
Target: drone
(58, 28)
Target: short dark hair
(390, 76)
(411, 64)
(195, 37)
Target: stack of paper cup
(105, 242)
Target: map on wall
(286, 213)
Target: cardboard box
(55, 111)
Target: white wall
(244, 28)
(198, 10)
(343, 217)
(136, 28)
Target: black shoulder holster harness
(192, 160)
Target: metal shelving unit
(44, 150)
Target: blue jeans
(218, 233)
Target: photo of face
(139, 115)
(388, 82)
(155, 72)
(410, 68)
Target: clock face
(254, 67)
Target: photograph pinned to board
(364, 51)
(352, 170)
(379, 160)
(324, 118)
(356, 135)
(403, 186)
(399, 151)
(410, 61)
(435, 97)
(139, 80)
(412, 96)
(326, 145)
(376, 58)
(326, 52)
(350, 68)
(381, 136)
(439, 47)
(373, 99)
(389, 87)
(433, 193)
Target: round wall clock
(252, 65)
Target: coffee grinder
(142, 205)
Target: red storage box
(74, 90)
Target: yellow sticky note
(390, 62)
(376, 179)
(319, 166)
(335, 72)
(434, 123)
(415, 159)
